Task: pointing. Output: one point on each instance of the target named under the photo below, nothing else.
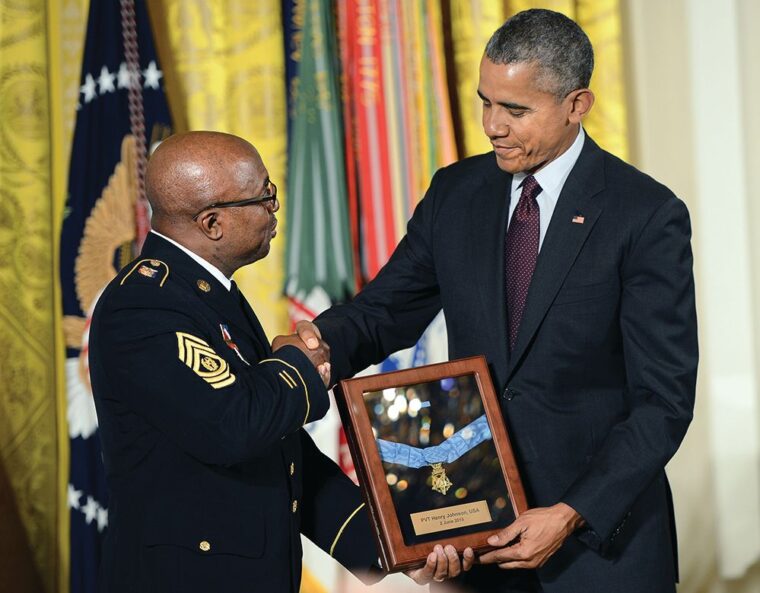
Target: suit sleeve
(659, 330)
(158, 363)
(336, 518)
(393, 310)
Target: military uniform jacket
(599, 388)
(210, 473)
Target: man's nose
(494, 126)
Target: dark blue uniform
(211, 476)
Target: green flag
(318, 254)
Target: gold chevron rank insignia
(202, 359)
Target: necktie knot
(527, 203)
(530, 188)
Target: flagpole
(136, 118)
(58, 175)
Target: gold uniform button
(295, 506)
(204, 546)
(204, 286)
(292, 468)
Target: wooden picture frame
(443, 410)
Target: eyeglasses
(269, 196)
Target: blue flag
(98, 238)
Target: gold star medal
(441, 482)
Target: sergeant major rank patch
(202, 359)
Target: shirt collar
(210, 268)
(552, 177)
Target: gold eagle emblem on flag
(201, 358)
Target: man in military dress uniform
(211, 477)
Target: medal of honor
(441, 482)
(460, 443)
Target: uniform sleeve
(659, 329)
(393, 310)
(335, 517)
(158, 364)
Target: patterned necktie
(521, 249)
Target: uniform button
(292, 468)
(295, 506)
(204, 546)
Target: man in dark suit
(211, 476)
(571, 272)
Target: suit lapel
(210, 291)
(564, 240)
(488, 227)
(231, 309)
(255, 324)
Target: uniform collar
(210, 268)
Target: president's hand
(442, 563)
(533, 537)
(309, 334)
(318, 353)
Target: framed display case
(433, 457)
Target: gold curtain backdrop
(223, 70)
(226, 71)
(40, 52)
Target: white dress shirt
(212, 269)
(552, 179)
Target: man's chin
(510, 166)
(259, 254)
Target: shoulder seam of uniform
(305, 388)
(343, 527)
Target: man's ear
(210, 224)
(581, 101)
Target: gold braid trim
(342, 527)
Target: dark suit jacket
(599, 389)
(211, 476)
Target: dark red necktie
(521, 253)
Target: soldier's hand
(442, 563)
(319, 354)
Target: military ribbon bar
(230, 344)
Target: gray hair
(554, 43)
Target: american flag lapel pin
(579, 218)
